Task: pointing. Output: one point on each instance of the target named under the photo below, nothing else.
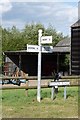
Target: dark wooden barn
(27, 61)
(75, 48)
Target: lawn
(15, 104)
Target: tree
(14, 39)
(30, 33)
(56, 36)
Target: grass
(15, 104)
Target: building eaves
(76, 24)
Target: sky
(61, 14)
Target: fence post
(26, 90)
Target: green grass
(15, 104)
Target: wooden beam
(27, 78)
(43, 77)
(4, 87)
(70, 77)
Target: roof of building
(61, 49)
(63, 46)
(64, 43)
(76, 24)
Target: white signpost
(32, 48)
(41, 40)
(35, 48)
(39, 67)
(44, 49)
(46, 39)
(47, 49)
(58, 83)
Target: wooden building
(75, 48)
(27, 61)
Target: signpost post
(39, 67)
(44, 49)
(41, 40)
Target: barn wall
(75, 51)
(30, 62)
(49, 64)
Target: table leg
(53, 93)
(65, 92)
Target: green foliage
(56, 36)
(30, 33)
(67, 59)
(0, 45)
(14, 39)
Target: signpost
(47, 49)
(46, 39)
(35, 48)
(32, 48)
(58, 83)
(39, 67)
(41, 40)
(40, 49)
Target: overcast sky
(61, 15)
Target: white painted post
(39, 66)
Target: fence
(74, 81)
